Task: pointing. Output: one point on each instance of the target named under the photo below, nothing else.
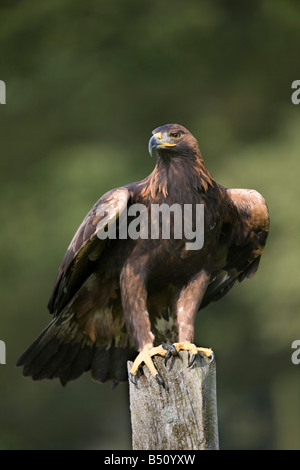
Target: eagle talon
(171, 351)
(194, 350)
(211, 358)
(145, 356)
(161, 382)
(133, 378)
(192, 360)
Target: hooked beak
(159, 141)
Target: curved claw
(145, 356)
(192, 360)
(171, 351)
(161, 382)
(133, 378)
(211, 358)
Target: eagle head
(171, 140)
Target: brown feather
(112, 297)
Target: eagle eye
(175, 135)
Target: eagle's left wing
(243, 238)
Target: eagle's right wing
(86, 247)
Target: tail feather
(37, 347)
(64, 351)
(119, 359)
(47, 366)
(66, 363)
(80, 363)
(40, 352)
(100, 364)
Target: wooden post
(183, 418)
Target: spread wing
(242, 241)
(86, 247)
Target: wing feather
(243, 238)
(86, 247)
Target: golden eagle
(116, 296)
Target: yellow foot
(146, 356)
(187, 346)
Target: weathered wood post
(183, 418)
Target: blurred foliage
(86, 84)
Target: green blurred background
(86, 84)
